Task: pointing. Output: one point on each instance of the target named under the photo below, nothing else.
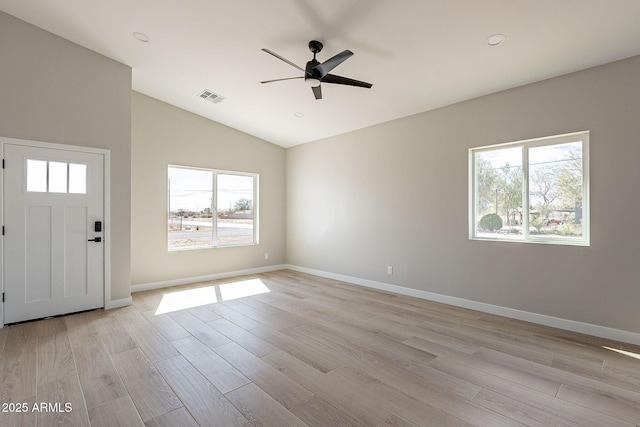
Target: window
(56, 177)
(210, 208)
(532, 191)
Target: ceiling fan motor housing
(315, 46)
(311, 72)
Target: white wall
(163, 135)
(397, 194)
(53, 90)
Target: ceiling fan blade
(283, 59)
(279, 80)
(332, 78)
(317, 92)
(331, 63)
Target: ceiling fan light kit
(317, 72)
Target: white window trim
(214, 208)
(584, 240)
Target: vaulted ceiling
(418, 54)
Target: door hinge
(3, 230)
(2, 163)
(3, 297)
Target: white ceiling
(419, 54)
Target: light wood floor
(311, 351)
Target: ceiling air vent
(211, 97)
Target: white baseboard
(541, 319)
(188, 280)
(118, 303)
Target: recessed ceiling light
(298, 114)
(495, 40)
(141, 37)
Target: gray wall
(397, 194)
(52, 90)
(163, 135)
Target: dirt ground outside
(191, 233)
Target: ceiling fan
(316, 72)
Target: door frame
(106, 155)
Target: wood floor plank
(351, 400)
(201, 330)
(204, 313)
(55, 358)
(390, 396)
(176, 418)
(234, 316)
(23, 417)
(266, 314)
(555, 407)
(99, 379)
(245, 339)
(51, 326)
(420, 377)
(352, 353)
(579, 352)
(318, 412)
(424, 415)
(18, 363)
(520, 411)
(117, 340)
(148, 390)
(433, 348)
(500, 342)
(261, 409)
(382, 342)
(217, 370)
(120, 412)
(68, 403)
(206, 404)
(323, 361)
(396, 421)
(280, 387)
(466, 410)
(493, 376)
(448, 340)
(558, 375)
(589, 371)
(3, 338)
(152, 343)
(164, 324)
(83, 327)
(619, 359)
(624, 409)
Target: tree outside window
(536, 190)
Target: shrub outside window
(210, 208)
(531, 191)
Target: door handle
(97, 239)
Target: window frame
(214, 208)
(526, 145)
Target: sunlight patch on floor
(245, 288)
(626, 353)
(190, 298)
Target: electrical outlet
(266, 255)
(389, 270)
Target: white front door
(53, 231)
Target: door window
(56, 177)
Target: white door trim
(107, 208)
